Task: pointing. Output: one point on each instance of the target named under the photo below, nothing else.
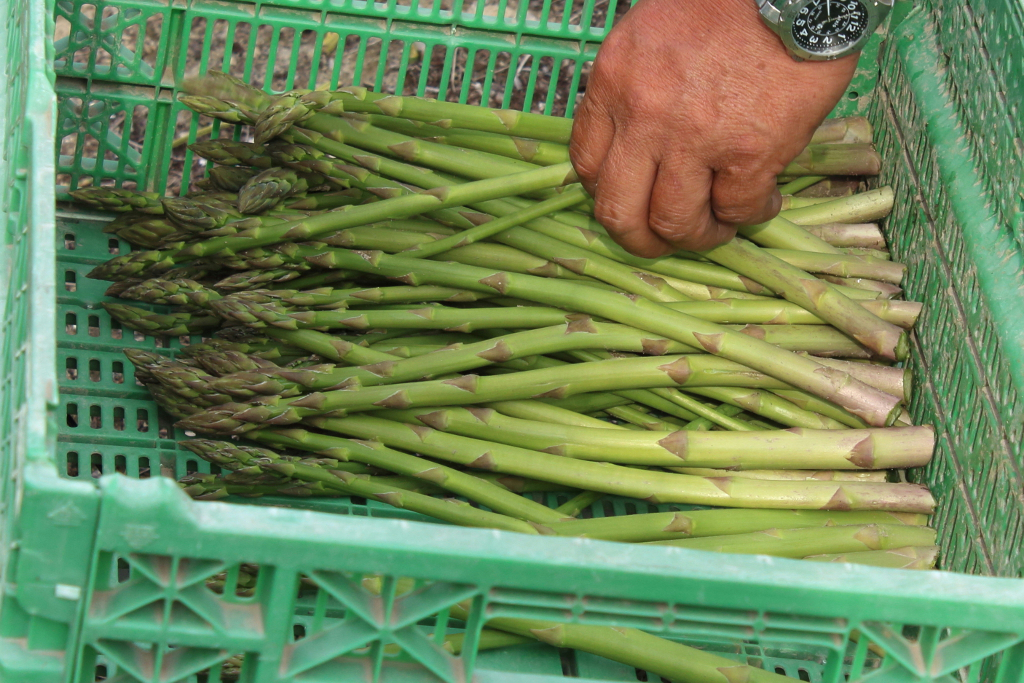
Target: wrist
(743, 18)
(822, 30)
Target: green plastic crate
(103, 575)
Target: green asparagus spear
(642, 419)
(843, 266)
(579, 503)
(495, 497)
(894, 558)
(846, 130)
(261, 347)
(892, 380)
(544, 412)
(117, 199)
(232, 153)
(230, 178)
(781, 233)
(858, 159)
(871, 405)
(256, 279)
(767, 405)
(176, 292)
(351, 484)
(788, 475)
(865, 235)
(575, 334)
(223, 362)
(678, 399)
(160, 324)
(655, 487)
(800, 184)
(191, 383)
(450, 115)
(859, 208)
(535, 151)
(869, 449)
(144, 230)
(635, 648)
(267, 188)
(220, 109)
(570, 197)
(242, 308)
(818, 297)
(398, 207)
(282, 112)
(667, 526)
(555, 382)
(799, 543)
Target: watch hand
(835, 19)
(828, 8)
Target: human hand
(692, 109)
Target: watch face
(830, 25)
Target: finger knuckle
(584, 160)
(665, 223)
(691, 235)
(738, 205)
(750, 155)
(611, 212)
(672, 228)
(585, 151)
(745, 149)
(737, 214)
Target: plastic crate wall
(62, 515)
(983, 38)
(138, 559)
(26, 115)
(965, 262)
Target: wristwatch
(821, 30)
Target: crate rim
(981, 597)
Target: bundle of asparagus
(523, 353)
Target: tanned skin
(692, 109)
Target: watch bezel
(877, 11)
